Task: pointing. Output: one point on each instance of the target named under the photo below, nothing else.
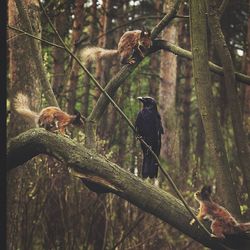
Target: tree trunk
(87, 82)
(206, 105)
(185, 92)
(76, 33)
(246, 105)
(167, 94)
(61, 26)
(232, 95)
(23, 77)
(23, 73)
(155, 65)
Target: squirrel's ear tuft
(207, 189)
(80, 119)
(145, 32)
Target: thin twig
(35, 37)
(223, 6)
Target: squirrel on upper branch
(132, 43)
(51, 118)
(223, 223)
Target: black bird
(149, 127)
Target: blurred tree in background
(48, 208)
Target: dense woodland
(205, 115)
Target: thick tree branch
(87, 163)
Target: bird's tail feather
(92, 54)
(21, 105)
(149, 166)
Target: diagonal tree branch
(122, 183)
(165, 45)
(166, 19)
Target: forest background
(206, 123)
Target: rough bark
(206, 105)
(84, 162)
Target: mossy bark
(119, 181)
(206, 105)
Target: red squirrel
(131, 43)
(223, 223)
(51, 118)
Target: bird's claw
(139, 137)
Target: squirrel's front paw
(192, 222)
(131, 61)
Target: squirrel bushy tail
(21, 105)
(244, 226)
(92, 54)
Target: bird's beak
(140, 98)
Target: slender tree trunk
(240, 139)
(199, 151)
(61, 26)
(155, 66)
(87, 82)
(186, 109)
(123, 128)
(246, 114)
(104, 68)
(185, 68)
(167, 93)
(76, 33)
(206, 104)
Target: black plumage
(148, 125)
